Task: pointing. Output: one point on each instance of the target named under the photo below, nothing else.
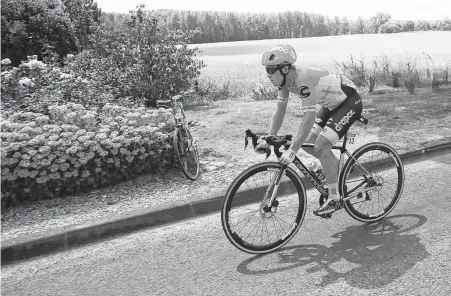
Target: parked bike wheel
(375, 174)
(187, 153)
(249, 223)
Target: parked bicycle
(184, 144)
(265, 205)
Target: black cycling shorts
(333, 124)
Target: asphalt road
(408, 253)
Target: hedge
(75, 149)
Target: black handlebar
(276, 141)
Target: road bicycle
(184, 144)
(265, 205)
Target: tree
(336, 29)
(33, 27)
(390, 28)
(321, 28)
(175, 22)
(378, 20)
(345, 30)
(85, 16)
(358, 26)
(422, 26)
(444, 25)
(141, 61)
(408, 26)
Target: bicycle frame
(312, 178)
(180, 117)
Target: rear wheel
(249, 222)
(187, 152)
(374, 179)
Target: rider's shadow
(366, 256)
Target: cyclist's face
(274, 75)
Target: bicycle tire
(187, 153)
(246, 198)
(376, 183)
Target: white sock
(333, 191)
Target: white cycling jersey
(319, 87)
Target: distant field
(239, 62)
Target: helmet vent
(272, 57)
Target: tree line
(46, 27)
(231, 26)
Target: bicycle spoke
(382, 187)
(250, 222)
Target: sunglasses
(271, 70)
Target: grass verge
(404, 121)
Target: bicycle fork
(274, 187)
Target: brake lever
(268, 152)
(253, 136)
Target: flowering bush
(34, 85)
(76, 149)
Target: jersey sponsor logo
(344, 120)
(303, 93)
(324, 103)
(318, 120)
(308, 108)
(334, 92)
(358, 101)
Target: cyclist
(330, 104)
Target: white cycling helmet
(283, 54)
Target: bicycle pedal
(326, 216)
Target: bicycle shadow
(366, 256)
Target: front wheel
(372, 181)
(187, 153)
(249, 222)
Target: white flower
(41, 180)
(66, 134)
(67, 174)
(101, 136)
(64, 167)
(35, 64)
(6, 61)
(25, 81)
(42, 119)
(65, 76)
(55, 176)
(70, 56)
(72, 150)
(80, 132)
(53, 138)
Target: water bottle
(316, 170)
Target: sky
(398, 9)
